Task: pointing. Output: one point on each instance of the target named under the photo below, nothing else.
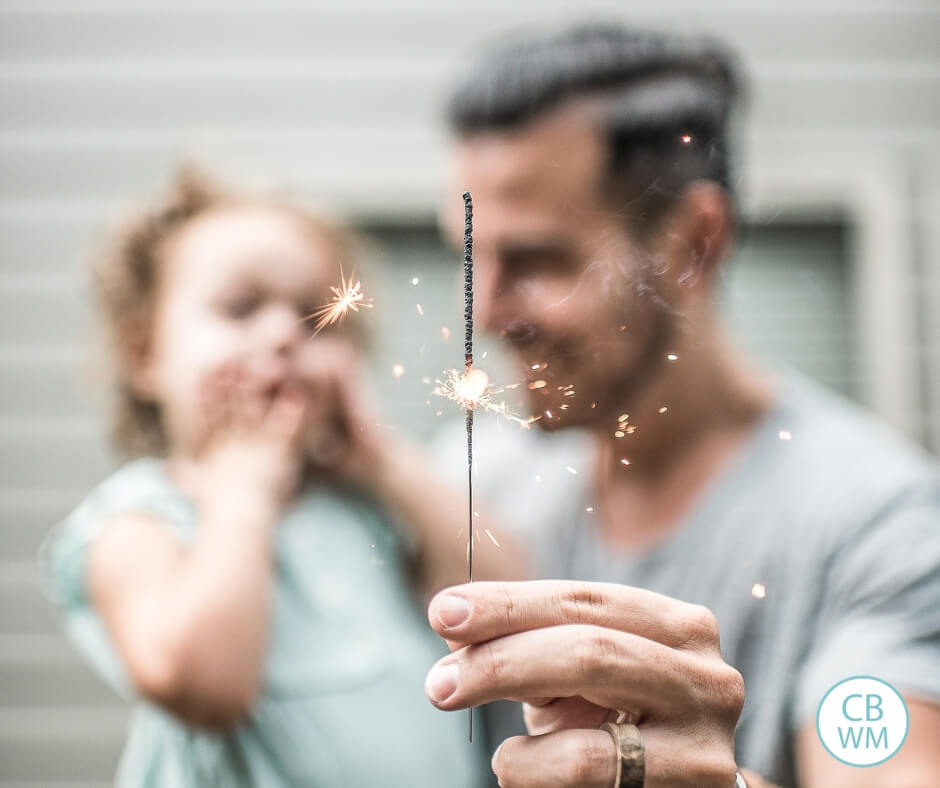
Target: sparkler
(347, 297)
(469, 386)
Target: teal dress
(342, 703)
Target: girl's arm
(402, 478)
(436, 516)
(190, 622)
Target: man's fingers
(477, 612)
(564, 714)
(611, 669)
(567, 759)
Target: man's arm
(916, 764)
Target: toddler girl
(258, 612)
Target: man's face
(556, 273)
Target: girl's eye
(242, 307)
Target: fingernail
(441, 682)
(452, 611)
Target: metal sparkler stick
(468, 362)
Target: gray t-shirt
(836, 519)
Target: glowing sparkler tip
(472, 390)
(758, 591)
(472, 385)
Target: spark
(548, 414)
(672, 357)
(537, 384)
(490, 535)
(623, 417)
(571, 470)
(758, 591)
(619, 434)
(589, 509)
(624, 461)
(471, 390)
(785, 435)
(415, 280)
(348, 296)
(398, 370)
(663, 409)
(686, 139)
(445, 332)
(420, 310)
(538, 478)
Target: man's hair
(665, 103)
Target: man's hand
(582, 654)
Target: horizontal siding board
(44, 459)
(168, 34)
(60, 743)
(119, 99)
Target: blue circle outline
(907, 717)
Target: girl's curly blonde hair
(126, 276)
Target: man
(712, 497)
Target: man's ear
(700, 229)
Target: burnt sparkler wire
(468, 362)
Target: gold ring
(631, 754)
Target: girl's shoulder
(141, 486)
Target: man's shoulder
(837, 469)
(841, 443)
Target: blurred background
(837, 270)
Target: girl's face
(235, 288)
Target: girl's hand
(341, 434)
(252, 441)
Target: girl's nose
(281, 328)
